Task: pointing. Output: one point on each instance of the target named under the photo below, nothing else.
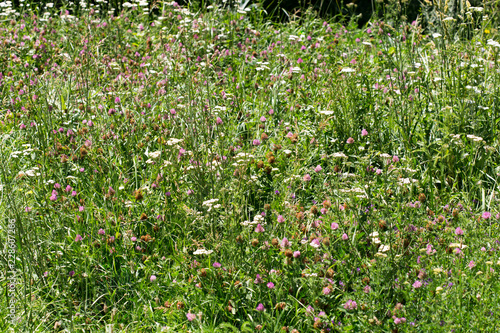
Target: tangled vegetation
(209, 170)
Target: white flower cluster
(406, 181)
(174, 142)
(326, 112)
(32, 173)
(202, 251)
(242, 159)
(474, 138)
(6, 9)
(458, 245)
(25, 152)
(375, 239)
(256, 220)
(339, 155)
(492, 42)
(210, 204)
(153, 155)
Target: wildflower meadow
(204, 168)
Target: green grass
(211, 171)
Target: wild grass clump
(211, 171)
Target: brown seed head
(280, 306)
(382, 225)
(138, 195)
(318, 324)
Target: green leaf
(63, 104)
